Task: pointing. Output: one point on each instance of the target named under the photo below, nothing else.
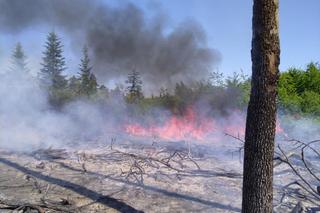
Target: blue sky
(228, 27)
(227, 24)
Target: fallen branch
(40, 208)
(311, 190)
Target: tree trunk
(261, 115)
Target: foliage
(19, 59)
(53, 64)
(88, 81)
(228, 94)
(299, 90)
(239, 85)
(50, 75)
(134, 89)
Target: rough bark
(261, 115)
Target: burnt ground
(128, 178)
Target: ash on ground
(127, 175)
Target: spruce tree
(53, 64)
(134, 90)
(88, 81)
(19, 59)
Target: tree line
(298, 89)
(62, 89)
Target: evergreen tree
(19, 59)
(74, 85)
(134, 90)
(93, 85)
(53, 64)
(163, 93)
(88, 81)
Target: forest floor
(132, 177)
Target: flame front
(192, 126)
(189, 126)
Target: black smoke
(120, 39)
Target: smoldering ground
(120, 38)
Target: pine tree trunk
(261, 115)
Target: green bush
(299, 90)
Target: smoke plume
(120, 39)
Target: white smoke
(27, 122)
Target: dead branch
(241, 148)
(50, 154)
(302, 145)
(286, 160)
(166, 162)
(18, 205)
(82, 160)
(139, 164)
(15, 186)
(307, 167)
(235, 137)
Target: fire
(188, 126)
(192, 126)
